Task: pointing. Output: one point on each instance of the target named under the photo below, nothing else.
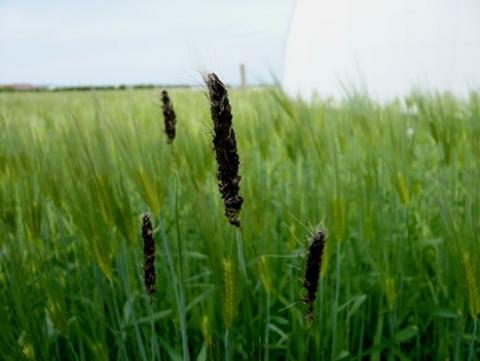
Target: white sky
(386, 47)
(142, 41)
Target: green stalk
(178, 290)
(267, 329)
(183, 320)
(337, 299)
(227, 345)
(240, 255)
(471, 348)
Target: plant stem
(471, 349)
(241, 258)
(267, 329)
(337, 298)
(183, 321)
(227, 345)
(178, 296)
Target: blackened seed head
(225, 147)
(149, 275)
(312, 270)
(169, 116)
(146, 226)
(215, 87)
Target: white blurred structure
(387, 47)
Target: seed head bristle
(225, 147)
(149, 275)
(312, 271)
(168, 116)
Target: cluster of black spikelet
(225, 147)
(169, 116)
(228, 162)
(149, 276)
(312, 271)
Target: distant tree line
(10, 88)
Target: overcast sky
(142, 41)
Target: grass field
(397, 189)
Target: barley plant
(395, 186)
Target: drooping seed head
(225, 147)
